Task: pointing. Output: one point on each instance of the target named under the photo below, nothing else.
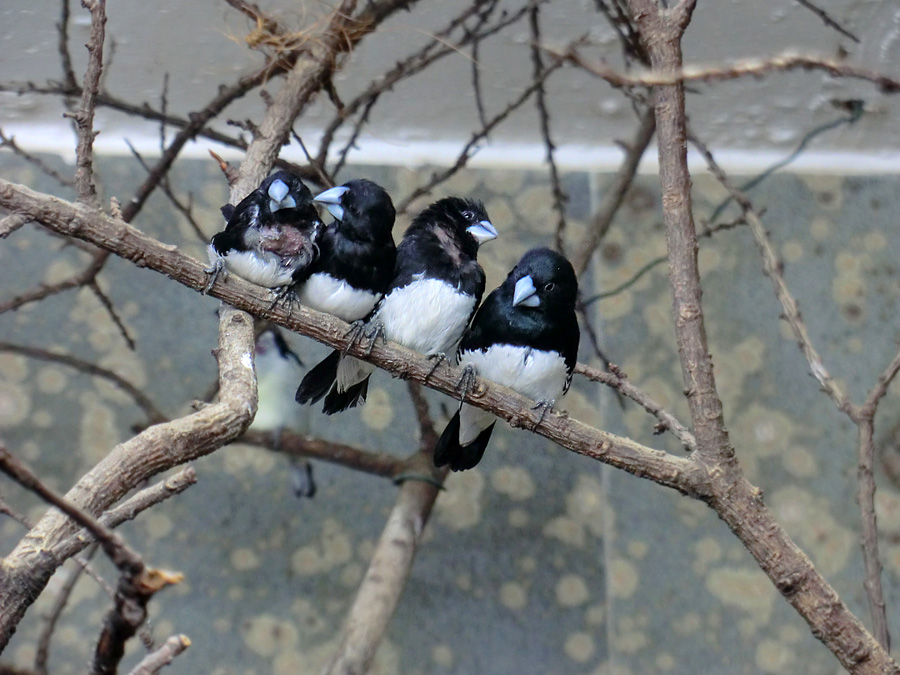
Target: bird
(436, 286)
(277, 368)
(356, 252)
(525, 336)
(354, 267)
(270, 236)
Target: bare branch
(827, 20)
(43, 291)
(10, 142)
(774, 269)
(615, 194)
(470, 148)
(11, 223)
(295, 445)
(30, 565)
(84, 116)
(162, 657)
(140, 399)
(749, 67)
(59, 604)
(130, 508)
(559, 196)
(618, 380)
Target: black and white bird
(524, 336)
(270, 236)
(436, 287)
(356, 252)
(277, 369)
(354, 267)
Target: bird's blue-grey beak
(525, 293)
(482, 231)
(332, 200)
(279, 197)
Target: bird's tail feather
(459, 457)
(319, 379)
(338, 401)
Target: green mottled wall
(538, 561)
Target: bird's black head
(285, 190)
(543, 281)
(364, 209)
(465, 220)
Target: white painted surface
(426, 119)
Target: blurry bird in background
(270, 236)
(437, 284)
(277, 370)
(525, 336)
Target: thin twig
(154, 415)
(84, 116)
(10, 142)
(559, 196)
(749, 67)
(59, 604)
(166, 187)
(827, 20)
(162, 657)
(774, 269)
(131, 508)
(618, 381)
(62, 44)
(471, 147)
(615, 194)
(111, 311)
(45, 290)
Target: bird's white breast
(259, 267)
(324, 293)
(533, 373)
(536, 374)
(428, 315)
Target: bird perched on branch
(524, 336)
(277, 369)
(356, 252)
(270, 236)
(437, 284)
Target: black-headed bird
(525, 336)
(270, 236)
(436, 286)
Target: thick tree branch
(161, 447)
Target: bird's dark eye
(468, 215)
(549, 287)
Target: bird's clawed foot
(438, 359)
(360, 330)
(303, 485)
(214, 271)
(284, 296)
(466, 384)
(544, 406)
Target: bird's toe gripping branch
(466, 384)
(214, 271)
(361, 330)
(545, 407)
